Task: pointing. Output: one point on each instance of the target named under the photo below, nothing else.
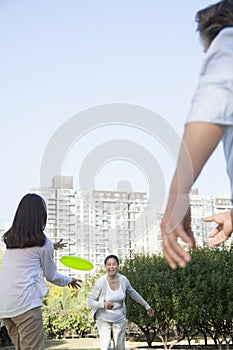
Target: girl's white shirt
(22, 284)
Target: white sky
(61, 57)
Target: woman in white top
(28, 258)
(107, 301)
(209, 121)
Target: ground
(81, 344)
(93, 344)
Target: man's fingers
(176, 259)
(215, 232)
(219, 238)
(208, 218)
(173, 252)
(170, 262)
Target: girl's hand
(75, 283)
(59, 245)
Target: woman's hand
(150, 312)
(108, 306)
(59, 245)
(223, 230)
(75, 283)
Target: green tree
(203, 296)
(152, 278)
(218, 292)
(135, 313)
(65, 310)
(187, 302)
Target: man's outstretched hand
(174, 253)
(223, 229)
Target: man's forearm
(199, 142)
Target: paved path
(80, 344)
(83, 343)
(89, 343)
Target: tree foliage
(187, 302)
(65, 311)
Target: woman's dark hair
(29, 223)
(214, 18)
(111, 256)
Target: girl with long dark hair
(28, 259)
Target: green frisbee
(75, 262)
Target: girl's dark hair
(29, 223)
(111, 256)
(214, 18)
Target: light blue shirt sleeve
(213, 98)
(49, 267)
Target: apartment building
(97, 223)
(106, 223)
(149, 237)
(61, 222)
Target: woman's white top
(22, 284)
(98, 295)
(115, 297)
